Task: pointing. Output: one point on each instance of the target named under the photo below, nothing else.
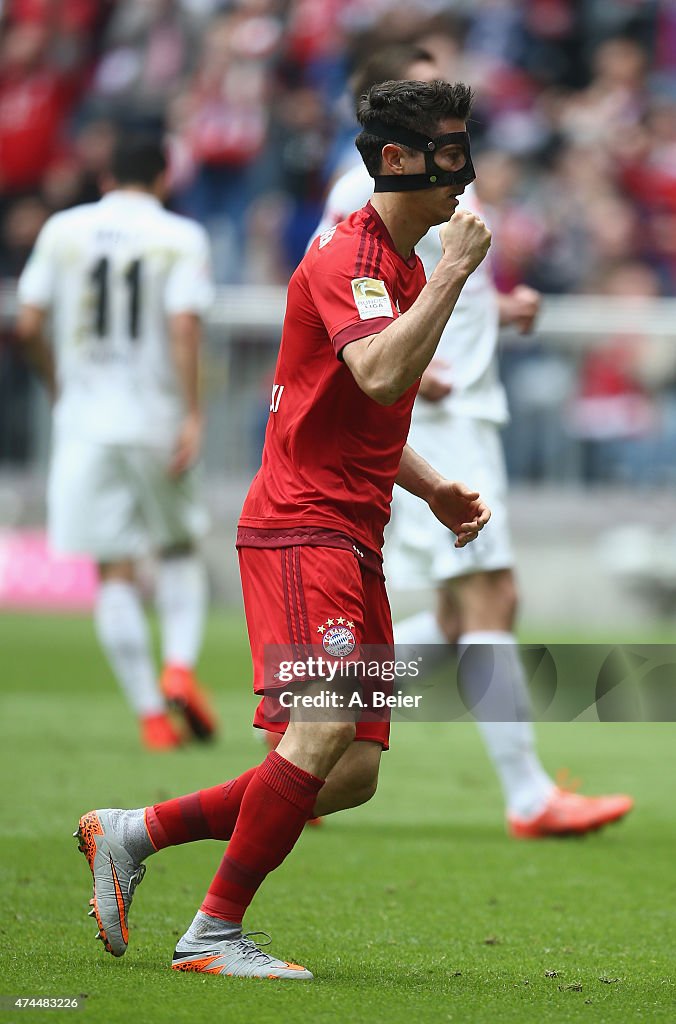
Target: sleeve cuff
(361, 329)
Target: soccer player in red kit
(361, 327)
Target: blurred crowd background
(574, 128)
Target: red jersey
(332, 453)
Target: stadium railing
(243, 338)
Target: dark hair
(138, 160)
(420, 106)
(390, 63)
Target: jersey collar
(412, 260)
(121, 195)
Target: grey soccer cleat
(115, 875)
(235, 958)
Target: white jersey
(469, 341)
(111, 273)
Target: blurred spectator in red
(35, 98)
(73, 26)
(649, 177)
(613, 406)
(313, 32)
(71, 16)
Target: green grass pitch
(414, 907)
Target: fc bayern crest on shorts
(338, 640)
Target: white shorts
(116, 502)
(419, 551)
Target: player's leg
(434, 630)
(212, 813)
(272, 801)
(353, 780)
(477, 606)
(476, 596)
(181, 596)
(277, 802)
(488, 604)
(92, 511)
(122, 631)
(536, 808)
(422, 629)
(271, 740)
(312, 587)
(131, 836)
(175, 519)
(447, 629)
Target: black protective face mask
(434, 176)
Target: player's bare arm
(435, 382)
(453, 503)
(519, 308)
(30, 332)
(186, 338)
(385, 365)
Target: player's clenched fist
(464, 239)
(460, 509)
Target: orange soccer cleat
(183, 693)
(570, 814)
(235, 958)
(158, 733)
(115, 874)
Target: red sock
(207, 814)
(276, 805)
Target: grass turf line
(415, 905)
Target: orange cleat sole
(184, 695)
(571, 814)
(159, 733)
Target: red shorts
(300, 596)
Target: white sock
(205, 929)
(181, 597)
(494, 682)
(130, 830)
(421, 630)
(123, 633)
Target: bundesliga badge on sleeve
(371, 298)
